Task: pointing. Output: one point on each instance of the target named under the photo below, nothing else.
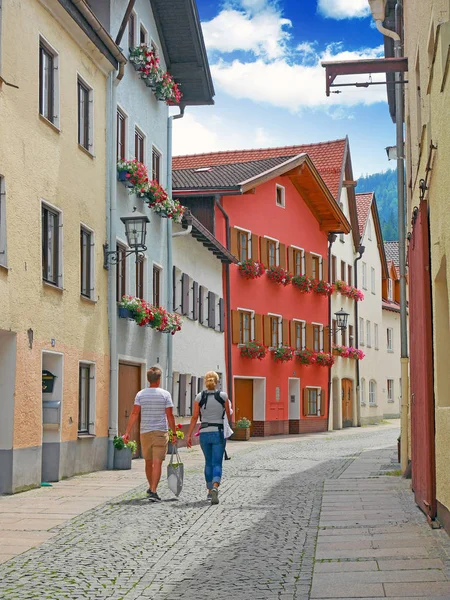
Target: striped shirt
(153, 403)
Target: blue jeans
(212, 444)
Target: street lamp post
(136, 232)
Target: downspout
(360, 251)
(332, 237)
(169, 288)
(228, 301)
(399, 117)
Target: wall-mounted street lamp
(136, 232)
(341, 321)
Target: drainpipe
(111, 214)
(184, 232)
(332, 237)
(169, 300)
(228, 300)
(360, 251)
(379, 16)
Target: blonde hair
(154, 374)
(212, 375)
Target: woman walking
(211, 406)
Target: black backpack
(203, 402)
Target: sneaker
(148, 492)
(208, 497)
(215, 496)
(153, 497)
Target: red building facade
(276, 211)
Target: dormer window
(390, 289)
(280, 196)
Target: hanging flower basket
(283, 354)
(160, 202)
(323, 288)
(133, 173)
(279, 275)
(148, 315)
(251, 269)
(324, 359)
(302, 283)
(163, 84)
(305, 357)
(349, 291)
(348, 352)
(254, 350)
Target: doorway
(129, 386)
(243, 398)
(347, 402)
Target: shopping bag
(227, 431)
(175, 472)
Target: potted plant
(242, 430)
(254, 350)
(279, 275)
(302, 283)
(323, 288)
(179, 434)
(251, 269)
(306, 356)
(123, 453)
(324, 359)
(283, 353)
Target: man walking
(156, 409)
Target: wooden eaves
(205, 237)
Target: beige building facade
(54, 357)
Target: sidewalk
(373, 541)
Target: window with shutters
(212, 301)
(280, 196)
(343, 270)
(390, 390)
(351, 336)
(298, 340)
(48, 82)
(132, 31)
(276, 330)
(298, 267)
(317, 330)
(245, 326)
(361, 331)
(85, 115)
(51, 245)
(140, 268)
(194, 311)
(203, 305)
(221, 307)
(316, 264)
(333, 269)
(372, 392)
(349, 275)
(375, 336)
(87, 262)
(362, 391)
(121, 272)
(121, 135)
(368, 334)
(272, 259)
(156, 299)
(364, 275)
(312, 399)
(244, 245)
(156, 165)
(390, 339)
(143, 34)
(139, 145)
(86, 398)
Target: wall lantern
(136, 232)
(341, 319)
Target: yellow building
(55, 63)
(427, 103)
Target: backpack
(203, 402)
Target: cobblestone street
(259, 542)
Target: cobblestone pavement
(259, 542)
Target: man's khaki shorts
(154, 445)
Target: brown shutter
(293, 336)
(234, 241)
(285, 332)
(291, 265)
(195, 300)
(185, 294)
(283, 256)
(182, 395)
(384, 288)
(309, 336)
(326, 339)
(174, 288)
(201, 307)
(397, 291)
(193, 392)
(305, 403)
(308, 261)
(322, 402)
(235, 327)
(267, 331)
(221, 315)
(211, 310)
(259, 328)
(255, 247)
(263, 255)
(325, 269)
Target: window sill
(372, 405)
(55, 128)
(52, 286)
(390, 401)
(390, 351)
(84, 436)
(86, 151)
(4, 267)
(88, 300)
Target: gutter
(360, 251)
(332, 237)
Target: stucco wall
(391, 364)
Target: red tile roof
(328, 158)
(363, 204)
(390, 305)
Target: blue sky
(270, 88)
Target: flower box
(306, 356)
(251, 269)
(125, 313)
(122, 459)
(324, 359)
(254, 350)
(348, 352)
(302, 283)
(323, 288)
(241, 434)
(279, 275)
(349, 291)
(283, 354)
(123, 177)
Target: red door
(421, 367)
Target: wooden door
(421, 367)
(243, 399)
(129, 386)
(347, 403)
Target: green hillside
(385, 187)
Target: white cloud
(296, 86)
(343, 9)
(263, 33)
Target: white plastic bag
(175, 473)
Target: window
(313, 402)
(335, 332)
(317, 337)
(50, 245)
(143, 35)
(132, 31)
(121, 135)
(48, 82)
(280, 196)
(315, 266)
(139, 145)
(349, 275)
(361, 331)
(368, 336)
(140, 269)
(156, 165)
(243, 245)
(344, 337)
(85, 115)
(245, 326)
(390, 289)
(364, 275)
(298, 256)
(121, 272)
(369, 229)
(343, 270)
(390, 390)
(390, 341)
(3, 256)
(86, 399)
(156, 286)
(87, 262)
(362, 391)
(372, 280)
(299, 335)
(271, 253)
(375, 336)
(372, 392)
(351, 336)
(154, 48)
(333, 269)
(275, 331)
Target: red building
(270, 206)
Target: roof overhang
(204, 236)
(391, 306)
(184, 50)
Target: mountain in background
(385, 187)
